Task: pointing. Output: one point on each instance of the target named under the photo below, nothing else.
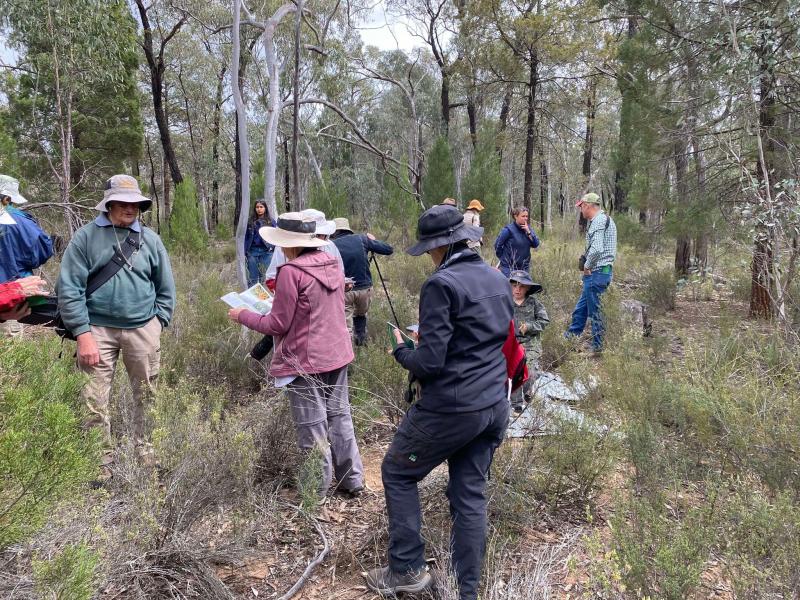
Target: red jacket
(10, 295)
(307, 317)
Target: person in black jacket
(465, 312)
(355, 249)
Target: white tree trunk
(244, 147)
(274, 106)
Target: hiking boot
(386, 582)
(352, 493)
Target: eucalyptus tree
(74, 106)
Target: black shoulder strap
(129, 246)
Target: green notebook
(407, 341)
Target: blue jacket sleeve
(534, 239)
(435, 328)
(248, 238)
(377, 246)
(500, 242)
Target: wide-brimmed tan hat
(324, 227)
(123, 188)
(10, 187)
(342, 224)
(475, 204)
(293, 230)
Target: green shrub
(631, 233)
(329, 196)
(762, 545)
(571, 464)
(185, 233)
(205, 462)
(45, 456)
(661, 556)
(659, 289)
(223, 231)
(484, 181)
(309, 481)
(67, 576)
(439, 181)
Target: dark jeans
(258, 260)
(425, 439)
(588, 306)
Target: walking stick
(385, 291)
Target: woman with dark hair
(513, 245)
(256, 250)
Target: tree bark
(287, 188)
(505, 109)
(275, 104)
(296, 101)
(683, 242)
(543, 186)
(473, 117)
(244, 146)
(215, 133)
(763, 288)
(530, 139)
(155, 62)
(588, 145)
(622, 172)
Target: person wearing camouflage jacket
(530, 319)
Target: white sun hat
(10, 187)
(324, 227)
(293, 230)
(123, 188)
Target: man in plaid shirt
(601, 250)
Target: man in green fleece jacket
(127, 313)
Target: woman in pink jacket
(312, 348)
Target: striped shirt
(601, 242)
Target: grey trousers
(321, 413)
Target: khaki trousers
(141, 355)
(356, 303)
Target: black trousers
(424, 440)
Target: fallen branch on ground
(312, 565)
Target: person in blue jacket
(23, 245)
(355, 249)
(258, 252)
(513, 245)
(465, 311)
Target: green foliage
(570, 464)
(205, 340)
(484, 181)
(631, 233)
(661, 557)
(309, 481)
(439, 182)
(206, 461)
(67, 576)
(45, 456)
(185, 233)
(402, 209)
(9, 159)
(329, 196)
(659, 289)
(79, 61)
(223, 232)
